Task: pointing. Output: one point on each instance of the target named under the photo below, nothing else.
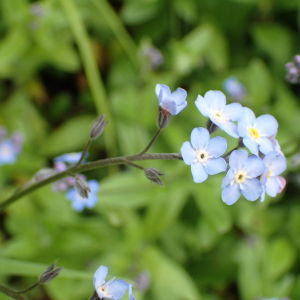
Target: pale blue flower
(71, 158)
(241, 177)
(79, 203)
(174, 102)
(272, 183)
(203, 154)
(213, 105)
(112, 289)
(8, 152)
(234, 88)
(130, 294)
(255, 131)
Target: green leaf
(72, 135)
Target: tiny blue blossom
(112, 289)
(71, 158)
(213, 105)
(202, 154)
(78, 202)
(8, 152)
(255, 131)
(241, 177)
(234, 88)
(272, 183)
(174, 102)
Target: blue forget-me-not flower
(255, 131)
(241, 177)
(172, 103)
(234, 88)
(71, 158)
(112, 289)
(202, 154)
(8, 152)
(78, 202)
(213, 105)
(272, 183)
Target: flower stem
(89, 166)
(151, 142)
(28, 289)
(11, 293)
(84, 152)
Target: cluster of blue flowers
(67, 183)
(250, 176)
(112, 289)
(9, 147)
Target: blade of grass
(116, 26)
(93, 76)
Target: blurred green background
(62, 63)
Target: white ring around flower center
(239, 177)
(217, 116)
(202, 156)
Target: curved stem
(84, 152)
(89, 166)
(151, 142)
(28, 289)
(11, 293)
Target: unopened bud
(94, 296)
(43, 174)
(152, 174)
(211, 127)
(82, 187)
(49, 274)
(97, 127)
(163, 118)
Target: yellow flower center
(202, 156)
(269, 173)
(239, 177)
(253, 133)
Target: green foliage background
(75, 59)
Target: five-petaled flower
(213, 105)
(255, 131)
(272, 183)
(172, 103)
(112, 289)
(203, 154)
(78, 202)
(8, 152)
(241, 177)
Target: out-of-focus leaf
(168, 277)
(71, 136)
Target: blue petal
(216, 100)
(199, 138)
(179, 108)
(198, 172)
(217, 146)
(247, 120)
(251, 189)
(237, 159)
(71, 194)
(169, 104)
(188, 153)
(91, 201)
(265, 145)
(202, 106)
(278, 165)
(118, 288)
(264, 176)
(162, 91)
(272, 186)
(228, 179)
(266, 125)
(269, 157)
(215, 166)
(179, 96)
(230, 128)
(99, 276)
(254, 166)
(94, 186)
(230, 194)
(130, 294)
(78, 205)
(251, 144)
(263, 195)
(233, 111)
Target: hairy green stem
(84, 152)
(89, 166)
(28, 289)
(11, 293)
(151, 142)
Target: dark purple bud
(163, 118)
(49, 274)
(152, 174)
(82, 187)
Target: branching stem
(11, 293)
